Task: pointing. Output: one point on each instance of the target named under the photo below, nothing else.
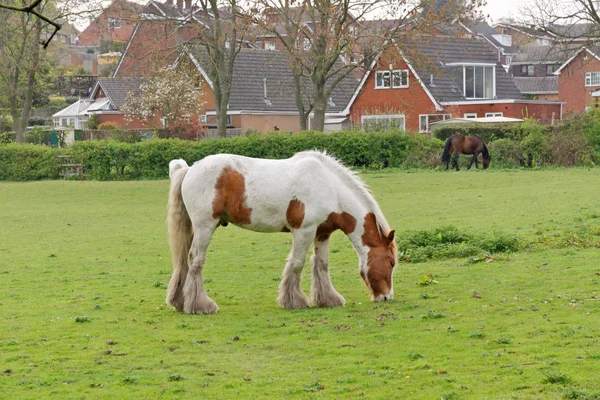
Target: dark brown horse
(458, 144)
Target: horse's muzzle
(384, 297)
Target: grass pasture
(84, 268)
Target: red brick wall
(410, 101)
(571, 83)
(153, 46)
(99, 30)
(545, 112)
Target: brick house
(115, 23)
(439, 79)
(263, 93)
(533, 70)
(108, 96)
(579, 80)
(154, 41)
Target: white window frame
(592, 79)
(470, 115)
(425, 128)
(494, 114)
(114, 23)
(306, 44)
(388, 117)
(269, 46)
(400, 73)
(389, 75)
(384, 75)
(202, 118)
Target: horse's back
(224, 184)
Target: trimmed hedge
(112, 160)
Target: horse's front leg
(290, 291)
(473, 160)
(322, 293)
(196, 301)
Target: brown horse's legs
(473, 160)
(449, 158)
(455, 160)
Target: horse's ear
(390, 236)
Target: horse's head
(378, 267)
(486, 162)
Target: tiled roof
(544, 54)
(256, 68)
(434, 71)
(484, 29)
(537, 84)
(117, 89)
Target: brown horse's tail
(180, 234)
(446, 152)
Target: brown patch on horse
(342, 221)
(381, 258)
(229, 204)
(295, 213)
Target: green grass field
(84, 268)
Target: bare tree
(326, 40)
(35, 9)
(225, 34)
(567, 21)
(26, 31)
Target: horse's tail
(446, 152)
(180, 233)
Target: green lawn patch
(84, 265)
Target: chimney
(180, 4)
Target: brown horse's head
(382, 256)
(485, 156)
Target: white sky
(497, 9)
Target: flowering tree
(172, 100)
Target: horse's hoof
(292, 302)
(202, 305)
(331, 299)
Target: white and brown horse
(310, 195)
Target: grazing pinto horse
(465, 145)
(310, 195)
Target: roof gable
(117, 89)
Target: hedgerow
(113, 160)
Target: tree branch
(30, 9)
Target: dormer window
(477, 81)
(391, 79)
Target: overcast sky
(497, 9)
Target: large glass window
(476, 82)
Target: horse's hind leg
(290, 291)
(455, 160)
(196, 301)
(322, 293)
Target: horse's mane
(352, 178)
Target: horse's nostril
(385, 298)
